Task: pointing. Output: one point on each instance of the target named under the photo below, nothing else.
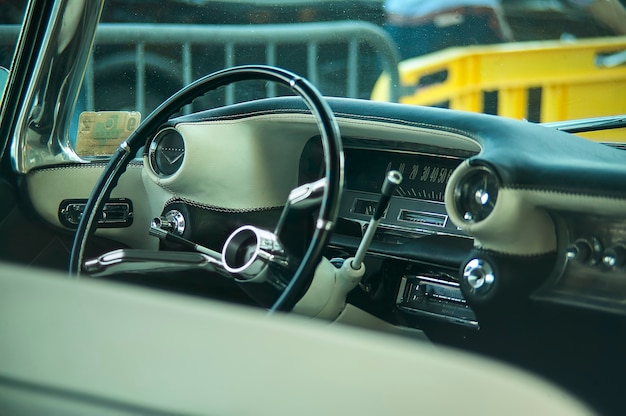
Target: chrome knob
(173, 221)
(586, 251)
(476, 194)
(479, 276)
(614, 257)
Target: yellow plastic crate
(539, 81)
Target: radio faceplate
(436, 298)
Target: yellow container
(538, 81)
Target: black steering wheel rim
(333, 162)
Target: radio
(435, 297)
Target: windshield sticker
(101, 132)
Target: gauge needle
(175, 159)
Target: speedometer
(425, 176)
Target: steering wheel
(330, 187)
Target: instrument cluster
(417, 207)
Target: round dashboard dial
(476, 194)
(166, 152)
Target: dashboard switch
(614, 257)
(479, 276)
(585, 251)
(173, 222)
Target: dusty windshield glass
(340, 46)
(147, 50)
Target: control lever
(149, 261)
(302, 197)
(139, 261)
(326, 296)
(393, 179)
(165, 235)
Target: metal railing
(366, 48)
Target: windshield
(541, 61)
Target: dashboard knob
(614, 257)
(173, 221)
(585, 251)
(479, 276)
(476, 194)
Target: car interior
(298, 253)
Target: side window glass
(4, 77)
(11, 18)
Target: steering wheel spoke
(135, 261)
(305, 196)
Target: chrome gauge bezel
(166, 152)
(477, 207)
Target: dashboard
(471, 223)
(481, 216)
